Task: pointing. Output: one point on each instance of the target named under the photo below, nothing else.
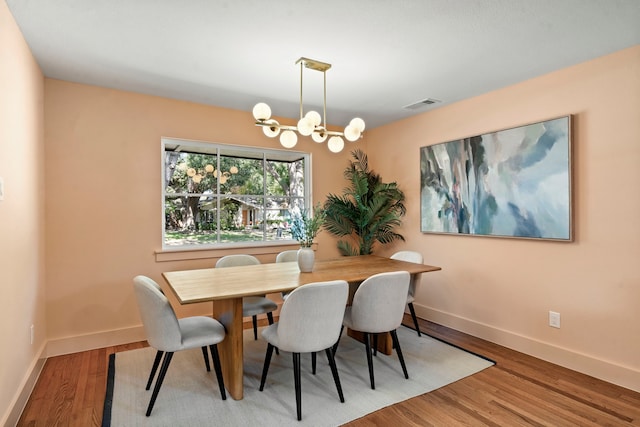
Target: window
(216, 194)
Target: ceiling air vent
(421, 104)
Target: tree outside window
(217, 194)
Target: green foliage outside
(203, 205)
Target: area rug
(190, 396)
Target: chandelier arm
(271, 125)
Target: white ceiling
(386, 54)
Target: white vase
(306, 259)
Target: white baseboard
(604, 370)
(79, 343)
(16, 407)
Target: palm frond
(368, 210)
(346, 249)
(362, 161)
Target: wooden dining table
(226, 287)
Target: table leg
(229, 313)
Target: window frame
(221, 149)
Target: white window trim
(169, 253)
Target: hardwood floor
(519, 391)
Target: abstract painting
(510, 183)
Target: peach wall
(503, 289)
(104, 201)
(21, 219)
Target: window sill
(193, 253)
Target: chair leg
(163, 372)
(313, 363)
(254, 319)
(265, 368)
(206, 358)
(396, 343)
(413, 316)
(334, 371)
(216, 366)
(335, 346)
(154, 368)
(375, 344)
(367, 344)
(296, 377)
(270, 319)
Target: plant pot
(306, 259)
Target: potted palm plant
(367, 212)
(304, 228)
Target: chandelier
(198, 175)
(311, 123)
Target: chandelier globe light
(198, 175)
(310, 124)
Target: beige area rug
(190, 396)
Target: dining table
(225, 288)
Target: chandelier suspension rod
(324, 104)
(301, 110)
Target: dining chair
(254, 305)
(287, 256)
(158, 358)
(377, 307)
(168, 334)
(310, 321)
(411, 256)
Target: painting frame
(511, 183)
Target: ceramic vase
(306, 259)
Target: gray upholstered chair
(310, 321)
(251, 306)
(287, 256)
(377, 307)
(158, 358)
(411, 256)
(168, 334)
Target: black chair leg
(216, 366)
(313, 363)
(413, 316)
(265, 368)
(254, 320)
(270, 319)
(367, 344)
(296, 377)
(206, 358)
(396, 344)
(375, 344)
(334, 371)
(154, 368)
(163, 372)
(335, 346)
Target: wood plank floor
(519, 391)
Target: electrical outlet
(31, 332)
(554, 319)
